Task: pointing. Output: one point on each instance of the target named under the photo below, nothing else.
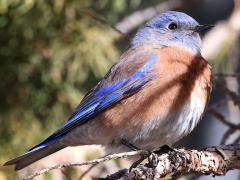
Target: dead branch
(227, 135)
(139, 17)
(215, 160)
(226, 31)
(232, 126)
(102, 21)
(234, 97)
(233, 75)
(96, 161)
(222, 119)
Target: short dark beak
(201, 28)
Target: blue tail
(38, 152)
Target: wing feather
(105, 94)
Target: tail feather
(32, 156)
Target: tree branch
(139, 17)
(215, 160)
(96, 161)
(222, 119)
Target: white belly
(172, 127)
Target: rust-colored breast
(187, 73)
(179, 76)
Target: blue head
(171, 29)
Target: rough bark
(215, 160)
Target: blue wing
(102, 98)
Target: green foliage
(50, 56)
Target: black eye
(172, 26)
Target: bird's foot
(135, 148)
(139, 161)
(129, 145)
(163, 149)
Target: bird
(154, 95)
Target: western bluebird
(154, 95)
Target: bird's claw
(129, 145)
(143, 157)
(161, 150)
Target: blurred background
(52, 52)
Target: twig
(139, 17)
(222, 119)
(90, 168)
(233, 127)
(215, 160)
(227, 33)
(237, 140)
(234, 97)
(226, 135)
(97, 161)
(87, 171)
(102, 21)
(227, 75)
(231, 94)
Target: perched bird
(154, 95)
